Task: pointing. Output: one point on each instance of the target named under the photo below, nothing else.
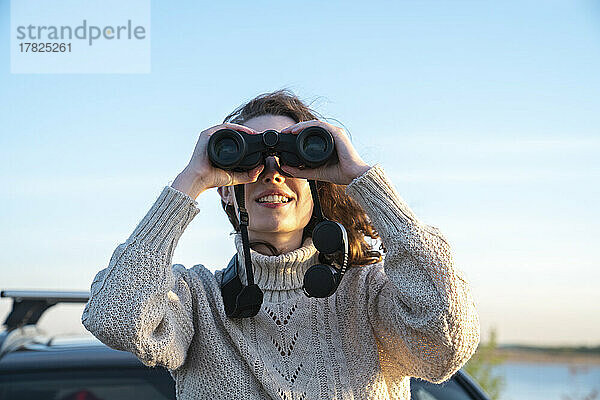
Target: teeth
(273, 198)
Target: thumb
(249, 176)
(307, 173)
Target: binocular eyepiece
(240, 151)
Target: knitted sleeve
(140, 303)
(419, 304)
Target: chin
(272, 228)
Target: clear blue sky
(485, 114)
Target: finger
(239, 178)
(300, 125)
(305, 124)
(281, 171)
(308, 173)
(249, 176)
(290, 170)
(288, 129)
(240, 127)
(228, 125)
(334, 130)
(255, 172)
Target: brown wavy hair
(335, 203)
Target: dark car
(36, 367)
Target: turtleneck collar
(282, 274)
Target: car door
(88, 384)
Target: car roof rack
(27, 308)
(29, 305)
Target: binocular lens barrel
(226, 148)
(314, 146)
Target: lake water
(549, 381)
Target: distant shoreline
(547, 356)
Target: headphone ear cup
(328, 237)
(249, 301)
(320, 281)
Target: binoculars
(240, 151)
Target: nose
(272, 173)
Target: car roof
(70, 352)
(66, 353)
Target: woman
(410, 315)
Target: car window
(120, 384)
(450, 390)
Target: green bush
(482, 367)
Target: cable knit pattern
(411, 315)
(280, 277)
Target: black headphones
(331, 240)
(320, 280)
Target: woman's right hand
(200, 175)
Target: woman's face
(268, 212)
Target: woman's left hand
(349, 166)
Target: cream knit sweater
(411, 315)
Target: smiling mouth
(274, 199)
